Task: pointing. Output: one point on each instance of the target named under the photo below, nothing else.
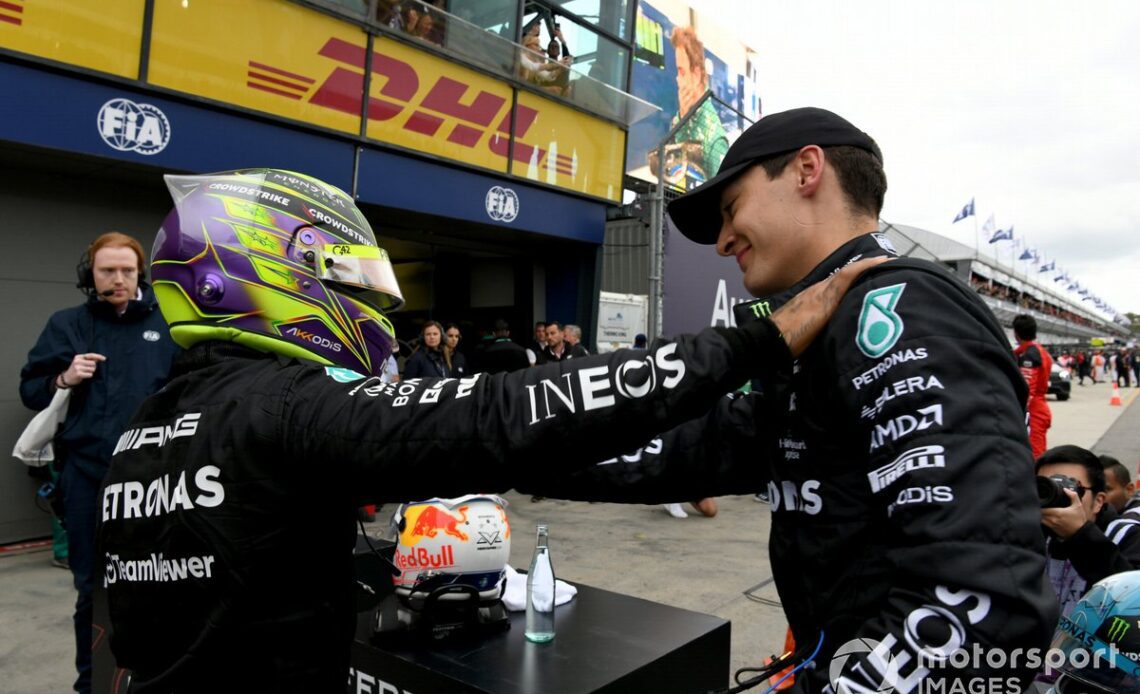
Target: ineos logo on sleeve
(130, 127)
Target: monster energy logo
(761, 309)
(879, 326)
(1117, 629)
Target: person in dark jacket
(112, 351)
(501, 354)
(899, 474)
(428, 360)
(558, 348)
(278, 405)
(1088, 540)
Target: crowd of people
(1025, 300)
(440, 351)
(423, 19)
(1120, 365)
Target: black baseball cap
(697, 213)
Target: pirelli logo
(914, 459)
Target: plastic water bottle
(540, 592)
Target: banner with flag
(1051, 265)
(967, 211)
(1002, 235)
(1028, 254)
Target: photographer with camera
(1086, 539)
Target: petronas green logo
(879, 326)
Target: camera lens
(1051, 494)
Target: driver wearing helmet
(1097, 645)
(227, 517)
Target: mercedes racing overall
(899, 477)
(227, 519)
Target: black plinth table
(605, 642)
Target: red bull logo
(430, 520)
(421, 559)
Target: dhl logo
(400, 81)
(12, 12)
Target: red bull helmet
(277, 261)
(464, 541)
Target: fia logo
(130, 127)
(502, 204)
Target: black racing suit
(899, 477)
(227, 519)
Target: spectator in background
(1036, 366)
(502, 354)
(455, 359)
(573, 335)
(640, 341)
(429, 28)
(387, 12)
(428, 361)
(557, 349)
(534, 66)
(1134, 358)
(1084, 364)
(1087, 540)
(391, 371)
(1118, 486)
(1123, 369)
(534, 349)
(114, 350)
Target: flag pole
(977, 249)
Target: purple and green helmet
(277, 261)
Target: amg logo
(914, 459)
(134, 439)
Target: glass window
(610, 15)
(496, 16)
(575, 45)
(354, 7)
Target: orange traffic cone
(1115, 401)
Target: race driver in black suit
(905, 517)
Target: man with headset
(114, 350)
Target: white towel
(514, 597)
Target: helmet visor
(365, 271)
(1098, 667)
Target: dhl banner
(432, 105)
(94, 34)
(266, 55)
(560, 146)
(284, 59)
